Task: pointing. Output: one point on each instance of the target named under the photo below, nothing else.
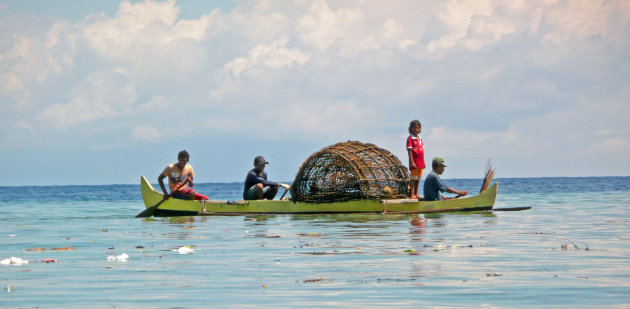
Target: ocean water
(571, 250)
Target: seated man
(180, 176)
(257, 187)
(433, 184)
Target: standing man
(180, 176)
(257, 187)
(433, 184)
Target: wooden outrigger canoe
(174, 207)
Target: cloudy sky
(101, 92)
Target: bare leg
(413, 184)
(258, 191)
(272, 193)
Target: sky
(102, 92)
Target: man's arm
(458, 192)
(411, 163)
(266, 182)
(161, 182)
(191, 174)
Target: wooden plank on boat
(400, 201)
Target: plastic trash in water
(439, 246)
(185, 250)
(120, 258)
(14, 261)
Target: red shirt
(415, 144)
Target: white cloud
(147, 35)
(318, 119)
(350, 28)
(159, 104)
(10, 82)
(580, 19)
(102, 95)
(146, 133)
(488, 78)
(273, 56)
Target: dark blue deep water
(572, 249)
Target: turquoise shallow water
(572, 249)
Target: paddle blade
(149, 211)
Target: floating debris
(410, 250)
(50, 261)
(121, 258)
(273, 236)
(14, 261)
(9, 287)
(63, 249)
(439, 246)
(566, 246)
(313, 280)
(185, 250)
(494, 274)
(443, 246)
(53, 249)
(139, 247)
(379, 280)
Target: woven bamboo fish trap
(350, 171)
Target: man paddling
(433, 184)
(257, 187)
(180, 176)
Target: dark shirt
(254, 178)
(433, 185)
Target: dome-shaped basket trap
(350, 171)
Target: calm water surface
(572, 249)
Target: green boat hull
(173, 207)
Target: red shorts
(185, 195)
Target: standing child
(415, 149)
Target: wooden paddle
(149, 211)
(285, 192)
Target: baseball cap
(260, 160)
(439, 160)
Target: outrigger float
(176, 207)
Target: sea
(82, 247)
